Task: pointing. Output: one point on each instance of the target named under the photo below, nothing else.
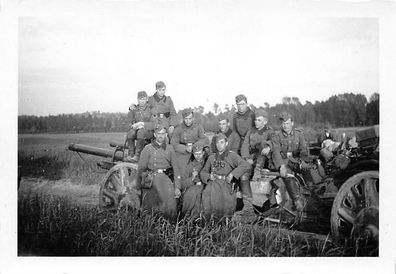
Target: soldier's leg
(130, 141)
(294, 193)
(139, 144)
(247, 214)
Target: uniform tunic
(187, 177)
(163, 110)
(289, 147)
(233, 141)
(255, 141)
(184, 135)
(141, 114)
(242, 123)
(218, 197)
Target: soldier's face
(160, 136)
(224, 125)
(198, 155)
(287, 126)
(242, 106)
(221, 145)
(260, 122)
(161, 92)
(142, 101)
(188, 120)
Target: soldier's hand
(229, 178)
(265, 151)
(171, 129)
(250, 161)
(212, 177)
(189, 148)
(194, 174)
(304, 165)
(177, 193)
(132, 107)
(283, 171)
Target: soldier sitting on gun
(289, 155)
(142, 127)
(185, 136)
(220, 173)
(157, 168)
(233, 138)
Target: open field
(58, 214)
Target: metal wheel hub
(366, 224)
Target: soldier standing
(142, 127)
(219, 173)
(289, 155)
(157, 168)
(233, 138)
(163, 108)
(185, 136)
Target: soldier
(289, 155)
(142, 127)
(191, 183)
(257, 141)
(163, 109)
(157, 168)
(219, 173)
(243, 119)
(185, 136)
(233, 138)
(326, 135)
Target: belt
(220, 177)
(159, 170)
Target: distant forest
(343, 110)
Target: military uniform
(156, 166)
(193, 167)
(255, 141)
(140, 114)
(242, 123)
(182, 137)
(163, 110)
(218, 197)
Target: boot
(246, 215)
(292, 189)
(138, 150)
(131, 147)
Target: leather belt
(220, 177)
(159, 170)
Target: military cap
(261, 112)
(222, 117)
(220, 136)
(186, 112)
(142, 94)
(285, 116)
(240, 97)
(159, 127)
(196, 148)
(160, 84)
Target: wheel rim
(356, 206)
(118, 187)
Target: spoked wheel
(355, 211)
(118, 187)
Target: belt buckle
(160, 171)
(289, 154)
(161, 115)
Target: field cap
(240, 97)
(285, 116)
(197, 148)
(222, 117)
(261, 112)
(186, 112)
(220, 136)
(159, 127)
(160, 84)
(142, 94)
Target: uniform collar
(244, 115)
(183, 125)
(227, 133)
(140, 108)
(157, 146)
(261, 131)
(223, 155)
(159, 99)
(285, 134)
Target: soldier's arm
(175, 167)
(240, 165)
(213, 148)
(174, 119)
(276, 152)
(205, 171)
(245, 146)
(303, 147)
(203, 140)
(150, 123)
(175, 141)
(142, 165)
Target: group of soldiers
(207, 177)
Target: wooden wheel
(355, 211)
(118, 187)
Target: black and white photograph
(174, 135)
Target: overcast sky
(204, 53)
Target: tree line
(342, 110)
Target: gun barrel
(96, 151)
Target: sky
(99, 60)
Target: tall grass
(56, 227)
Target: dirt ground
(78, 193)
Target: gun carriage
(341, 192)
